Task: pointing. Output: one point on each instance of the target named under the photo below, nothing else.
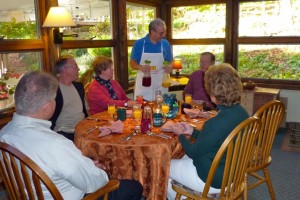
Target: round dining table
(143, 157)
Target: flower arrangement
(6, 90)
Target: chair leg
(269, 183)
(246, 187)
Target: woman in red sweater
(103, 90)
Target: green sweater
(210, 138)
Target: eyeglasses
(162, 34)
(74, 66)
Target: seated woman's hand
(182, 128)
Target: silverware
(130, 135)
(156, 135)
(96, 119)
(91, 129)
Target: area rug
(288, 146)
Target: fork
(161, 136)
(91, 129)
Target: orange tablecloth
(143, 158)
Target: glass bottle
(146, 120)
(157, 114)
(146, 82)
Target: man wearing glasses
(155, 49)
(70, 102)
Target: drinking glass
(139, 99)
(137, 115)
(165, 108)
(158, 96)
(111, 109)
(188, 98)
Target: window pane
(190, 55)
(138, 19)
(93, 19)
(269, 61)
(205, 21)
(17, 21)
(270, 18)
(84, 58)
(12, 67)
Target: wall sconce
(58, 17)
(177, 65)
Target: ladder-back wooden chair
(271, 115)
(17, 170)
(237, 149)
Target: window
(270, 18)
(198, 22)
(18, 21)
(269, 21)
(93, 19)
(203, 21)
(138, 19)
(12, 67)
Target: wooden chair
(237, 149)
(22, 177)
(271, 115)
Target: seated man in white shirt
(29, 131)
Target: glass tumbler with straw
(111, 109)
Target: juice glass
(111, 109)
(165, 108)
(139, 99)
(188, 98)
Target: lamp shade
(177, 64)
(58, 17)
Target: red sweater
(98, 96)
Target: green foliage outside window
(18, 30)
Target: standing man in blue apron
(153, 47)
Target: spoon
(136, 131)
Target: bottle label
(157, 119)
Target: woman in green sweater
(224, 86)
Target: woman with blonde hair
(224, 86)
(103, 90)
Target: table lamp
(177, 65)
(58, 17)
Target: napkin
(194, 112)
(167, 127)
(191, 112)
(115, 127)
